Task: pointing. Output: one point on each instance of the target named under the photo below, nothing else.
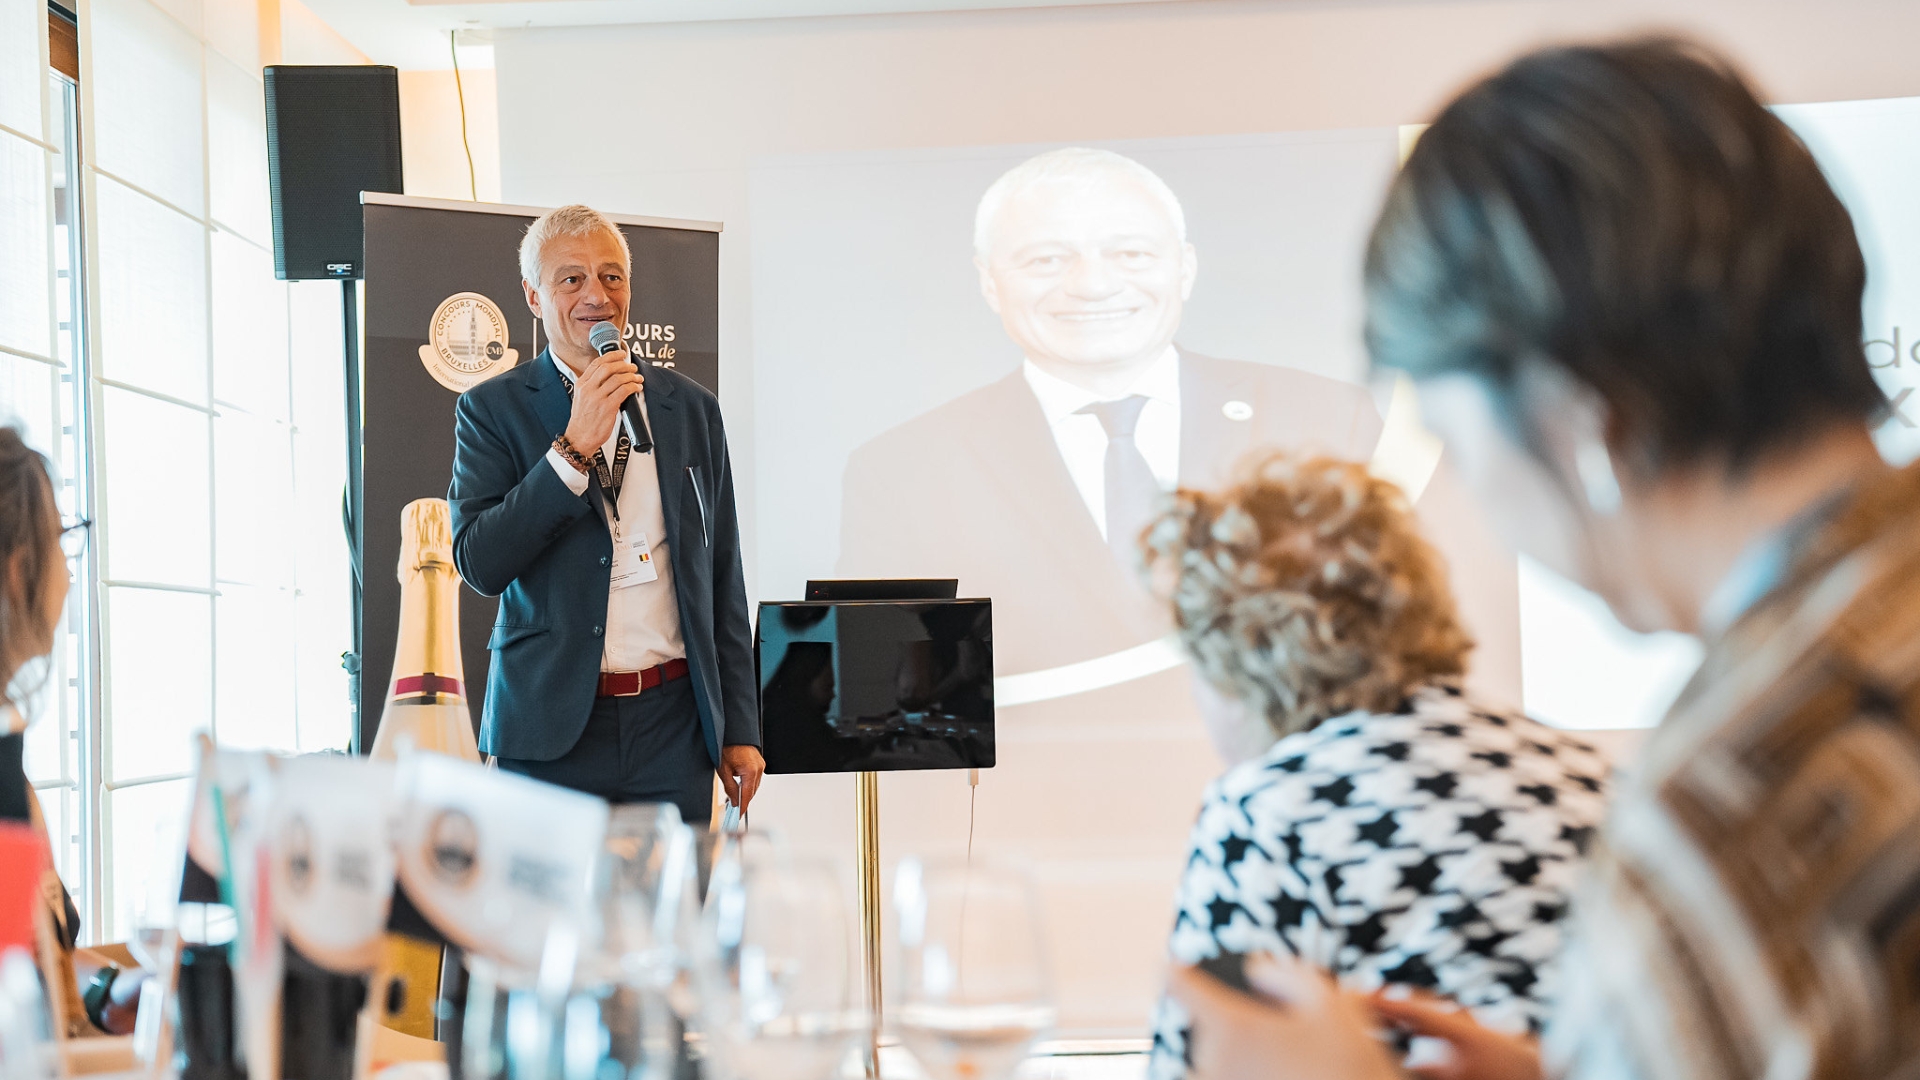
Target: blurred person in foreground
(1631, 303)
(1375, 822)
(98, 997)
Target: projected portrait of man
(1033, 489)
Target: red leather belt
(629, 683)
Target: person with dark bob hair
(1630, 303)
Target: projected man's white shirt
(1082, 442)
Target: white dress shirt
(643, 621)
(1083, 442)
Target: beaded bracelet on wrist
(564, 447)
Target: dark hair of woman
(29, 552)
(1634, 215)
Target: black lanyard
(610, 477)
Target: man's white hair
(1073, 164)
(575, 220)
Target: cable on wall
(460, 88)
(973, 802)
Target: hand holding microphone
(605, 338)
(607, 387)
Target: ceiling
(412, 34)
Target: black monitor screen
(859, 687)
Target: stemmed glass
(152, 920)
(600, 1005)
(646, 892)
(777, 994)
(498, 995)
(27, 1049)
(974, 994)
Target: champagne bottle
(426, 710)
(427, 699)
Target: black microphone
(605, 338)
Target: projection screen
(897, 433)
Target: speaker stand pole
(350, 308)
(866, 793)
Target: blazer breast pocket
(695, 475)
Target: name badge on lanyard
(632, 556)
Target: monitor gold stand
(866, 796)
(866, 793)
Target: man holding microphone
(622, 655)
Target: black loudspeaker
(332, 133)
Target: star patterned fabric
(1433, 847)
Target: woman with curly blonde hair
(1375, 820)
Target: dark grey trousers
(645, 748)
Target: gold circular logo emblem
(467, 342)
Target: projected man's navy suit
(976, 489)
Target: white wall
(666, 120)
(303, 38)
(431, 147)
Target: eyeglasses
(73, 538)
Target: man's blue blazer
(521, 535)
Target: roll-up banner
(444, 311)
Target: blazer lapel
(550, 401)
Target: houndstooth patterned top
(1435, 847)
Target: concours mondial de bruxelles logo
(467, 342)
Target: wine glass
(484, 1017)
(647, 897)
(777, 995)
(574, 1018)
(149, 913)
(28, 1049)
(151, 920)
(598, 1005)
(974, 994)
(646, 891)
